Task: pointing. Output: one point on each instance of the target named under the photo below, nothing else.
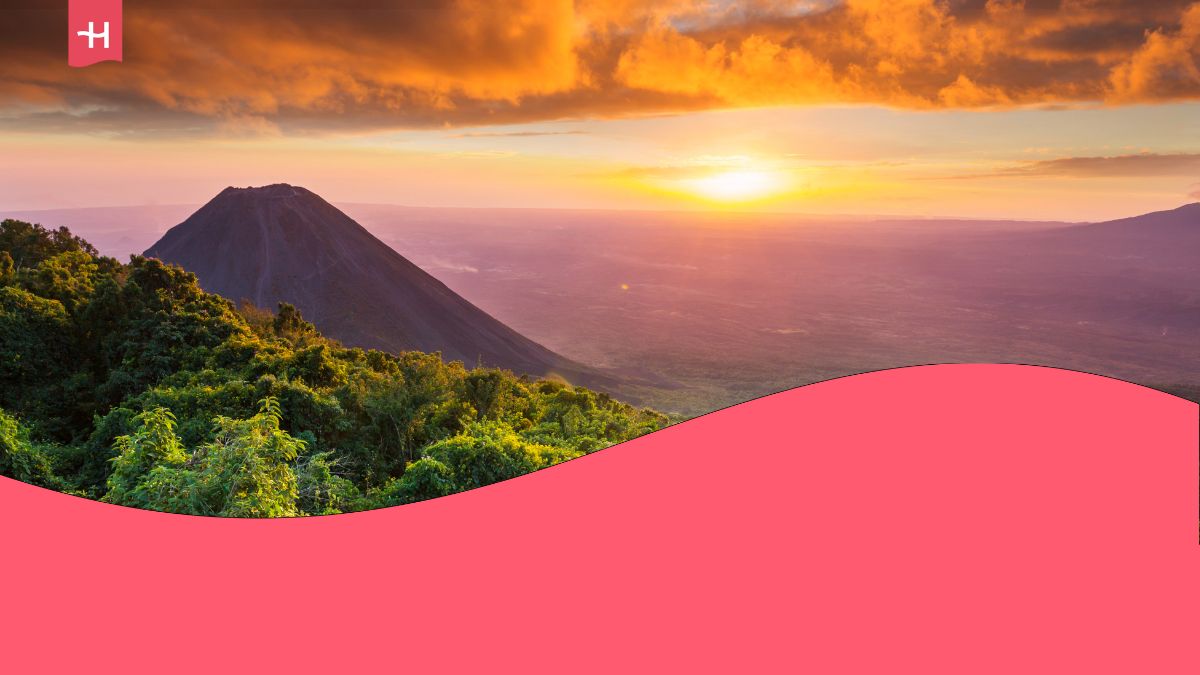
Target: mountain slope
(1182, 221)
(1162, 246)
(281, 243)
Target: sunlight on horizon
(1071, 165)
(738, 185)
(717, 181)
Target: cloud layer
(262, 66)
(1116, 166)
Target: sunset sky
(1061, 109)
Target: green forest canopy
(130, 384)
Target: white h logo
(91, 36)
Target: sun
(718, 181)
(735, 185)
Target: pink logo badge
(93, 31)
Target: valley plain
(717, 308)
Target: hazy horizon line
(584, 209)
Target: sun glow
(736, 185)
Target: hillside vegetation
(129, 383)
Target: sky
(1033, 109)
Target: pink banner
(93, 31)
(942, 519)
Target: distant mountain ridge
(1160, 243)
(1184, 220)
(283, 243)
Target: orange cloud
(1165, 66)
(261, 66)
(756, 70)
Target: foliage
(118, 369)
(423, 479)
(21, 459)
(486, 453)
(245, 471)
(33, 345)
(28, 244)
(153, 445)
(321, 491)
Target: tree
(34, 350)
(290, 325)
(423, 479)
(487, 390)
(245, 471)
(153, 445)
(29, 244)
(8, 273)
(68, 277)
(21, 459)
(320, 491)
(486, 453)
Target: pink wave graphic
(939, 519)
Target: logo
(92, 36)
(86, 45)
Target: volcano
(282, 243)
